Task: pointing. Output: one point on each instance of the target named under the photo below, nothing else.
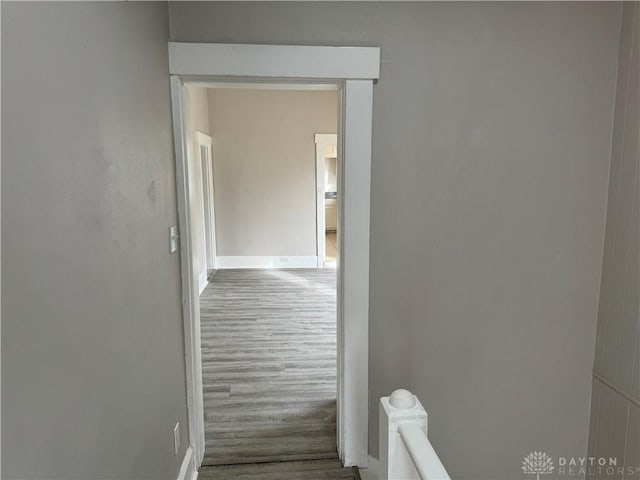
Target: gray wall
(92, 349)
(491, 146)
(615, 405)
(264, 168)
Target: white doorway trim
(353, 70)
(322, 140)
(190, 306)
(274, 61)
(204, 145)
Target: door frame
(208, 211)
(352, 70)
(321, 141)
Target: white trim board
(188, 470)
(208, 194)
(266, 262)
(242, 60)
(354, 185)
(203, 281)
(352, 70)
(314, 87)
(190, 295)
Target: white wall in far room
(264, 168)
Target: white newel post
(400, 407)
(405, 450)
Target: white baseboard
(372, 472)
(188, 470)
(267, 262)
(202, 281)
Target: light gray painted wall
(93, 375)
(491, 146)
(264, 168)
(197, 120)
(615, 405)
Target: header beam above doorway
(282, 61)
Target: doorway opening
(327, 179)
(208, 199)
(267, 305)
(202, 208)
(352, 70)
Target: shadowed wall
(93, 372)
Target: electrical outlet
(176, 439)
(284, 259)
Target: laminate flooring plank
(295, 470)
(269, 371)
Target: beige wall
(93, 372)
(491, 148)
(264, 168)
(197, 120)
(615, 404)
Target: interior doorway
(204, 149)
(268, 329)
(353, 70)
(327, 179)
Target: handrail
(405, 450)
(424, 457)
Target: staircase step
(293, 470)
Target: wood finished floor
(269, 371)
(331, 246)
(297, 470)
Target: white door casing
(322, 140)
(190, 306)
(353, 70)
(204, 144)
(197, 204)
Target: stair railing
(405, 450)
